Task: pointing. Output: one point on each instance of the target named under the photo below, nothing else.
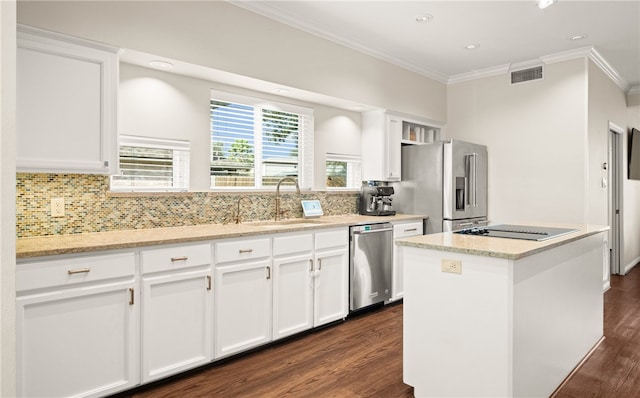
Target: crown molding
(634, 90)
(479, 74)
(271, 10)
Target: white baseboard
(632, 264)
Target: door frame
(615, 211)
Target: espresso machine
(375, 200)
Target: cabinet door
(331, 293)
(66, 105)
(292, 295)
(242, 295)
(393, 135)
(401, 231)
(177, 323)
(78, 342)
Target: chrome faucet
(237, 218)
(278, 193)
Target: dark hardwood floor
(362, 357)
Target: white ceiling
(507, 32)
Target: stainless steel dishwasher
(370, 263)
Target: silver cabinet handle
(241, 251)
(411, 230)
(131, 296)
(79, 271)
(310, 264)
(268, 272)
(319, 264)
(175, 259)
(208, 282)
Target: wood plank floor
(363, 358)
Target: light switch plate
(451, 266)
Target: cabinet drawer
(177, 257)
(332, 238)
(407, 229)
(289, 244)
(242, 249)
(68, 271)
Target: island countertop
(511, 249)
(123, 239)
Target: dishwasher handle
(373, 231)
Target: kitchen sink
(289, 223)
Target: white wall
(7, 198)
(219, 35)
(153, 103)
(536, 138)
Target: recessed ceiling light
(578, 37)
(424, 18)
(471, 46)
(161, 64)
(542, 4)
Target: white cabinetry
(311, 280)
(401, 230)
(331, 283)
(293, 276)
(383, 134)
(242, 294)
(77, 326)
(177, 309)
(65, 104)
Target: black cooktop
(517, 232)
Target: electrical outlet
(57, 207)
(451, 266)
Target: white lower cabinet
(243, 294)
(401, 230)
(177, 310)
(293, 276)
(310, 285)
(77, 326)
(331, 287)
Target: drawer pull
(175, 259)
(411, 230)
(208, 282)
(310, 265)
(268, 272)
(79, 271)
(241, 251)
(319, 264)
(131, 296)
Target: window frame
(180, 174)
(354, 161)
(305, 140)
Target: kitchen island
(500, 317)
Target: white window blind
(343, 171)
(256, 143)
(152, 164)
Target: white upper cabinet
(383, 135)
(66, 104)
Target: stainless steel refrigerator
(445, 180)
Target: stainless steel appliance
(517, 232)
(370, 264)
(375, 200)
(445, 180)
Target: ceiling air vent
(525, 75)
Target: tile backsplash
(91, 207)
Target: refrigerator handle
(472, 173)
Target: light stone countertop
(511, 249)
(89, 242)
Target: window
(255, 143)
(152, 164)
(343, 171)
